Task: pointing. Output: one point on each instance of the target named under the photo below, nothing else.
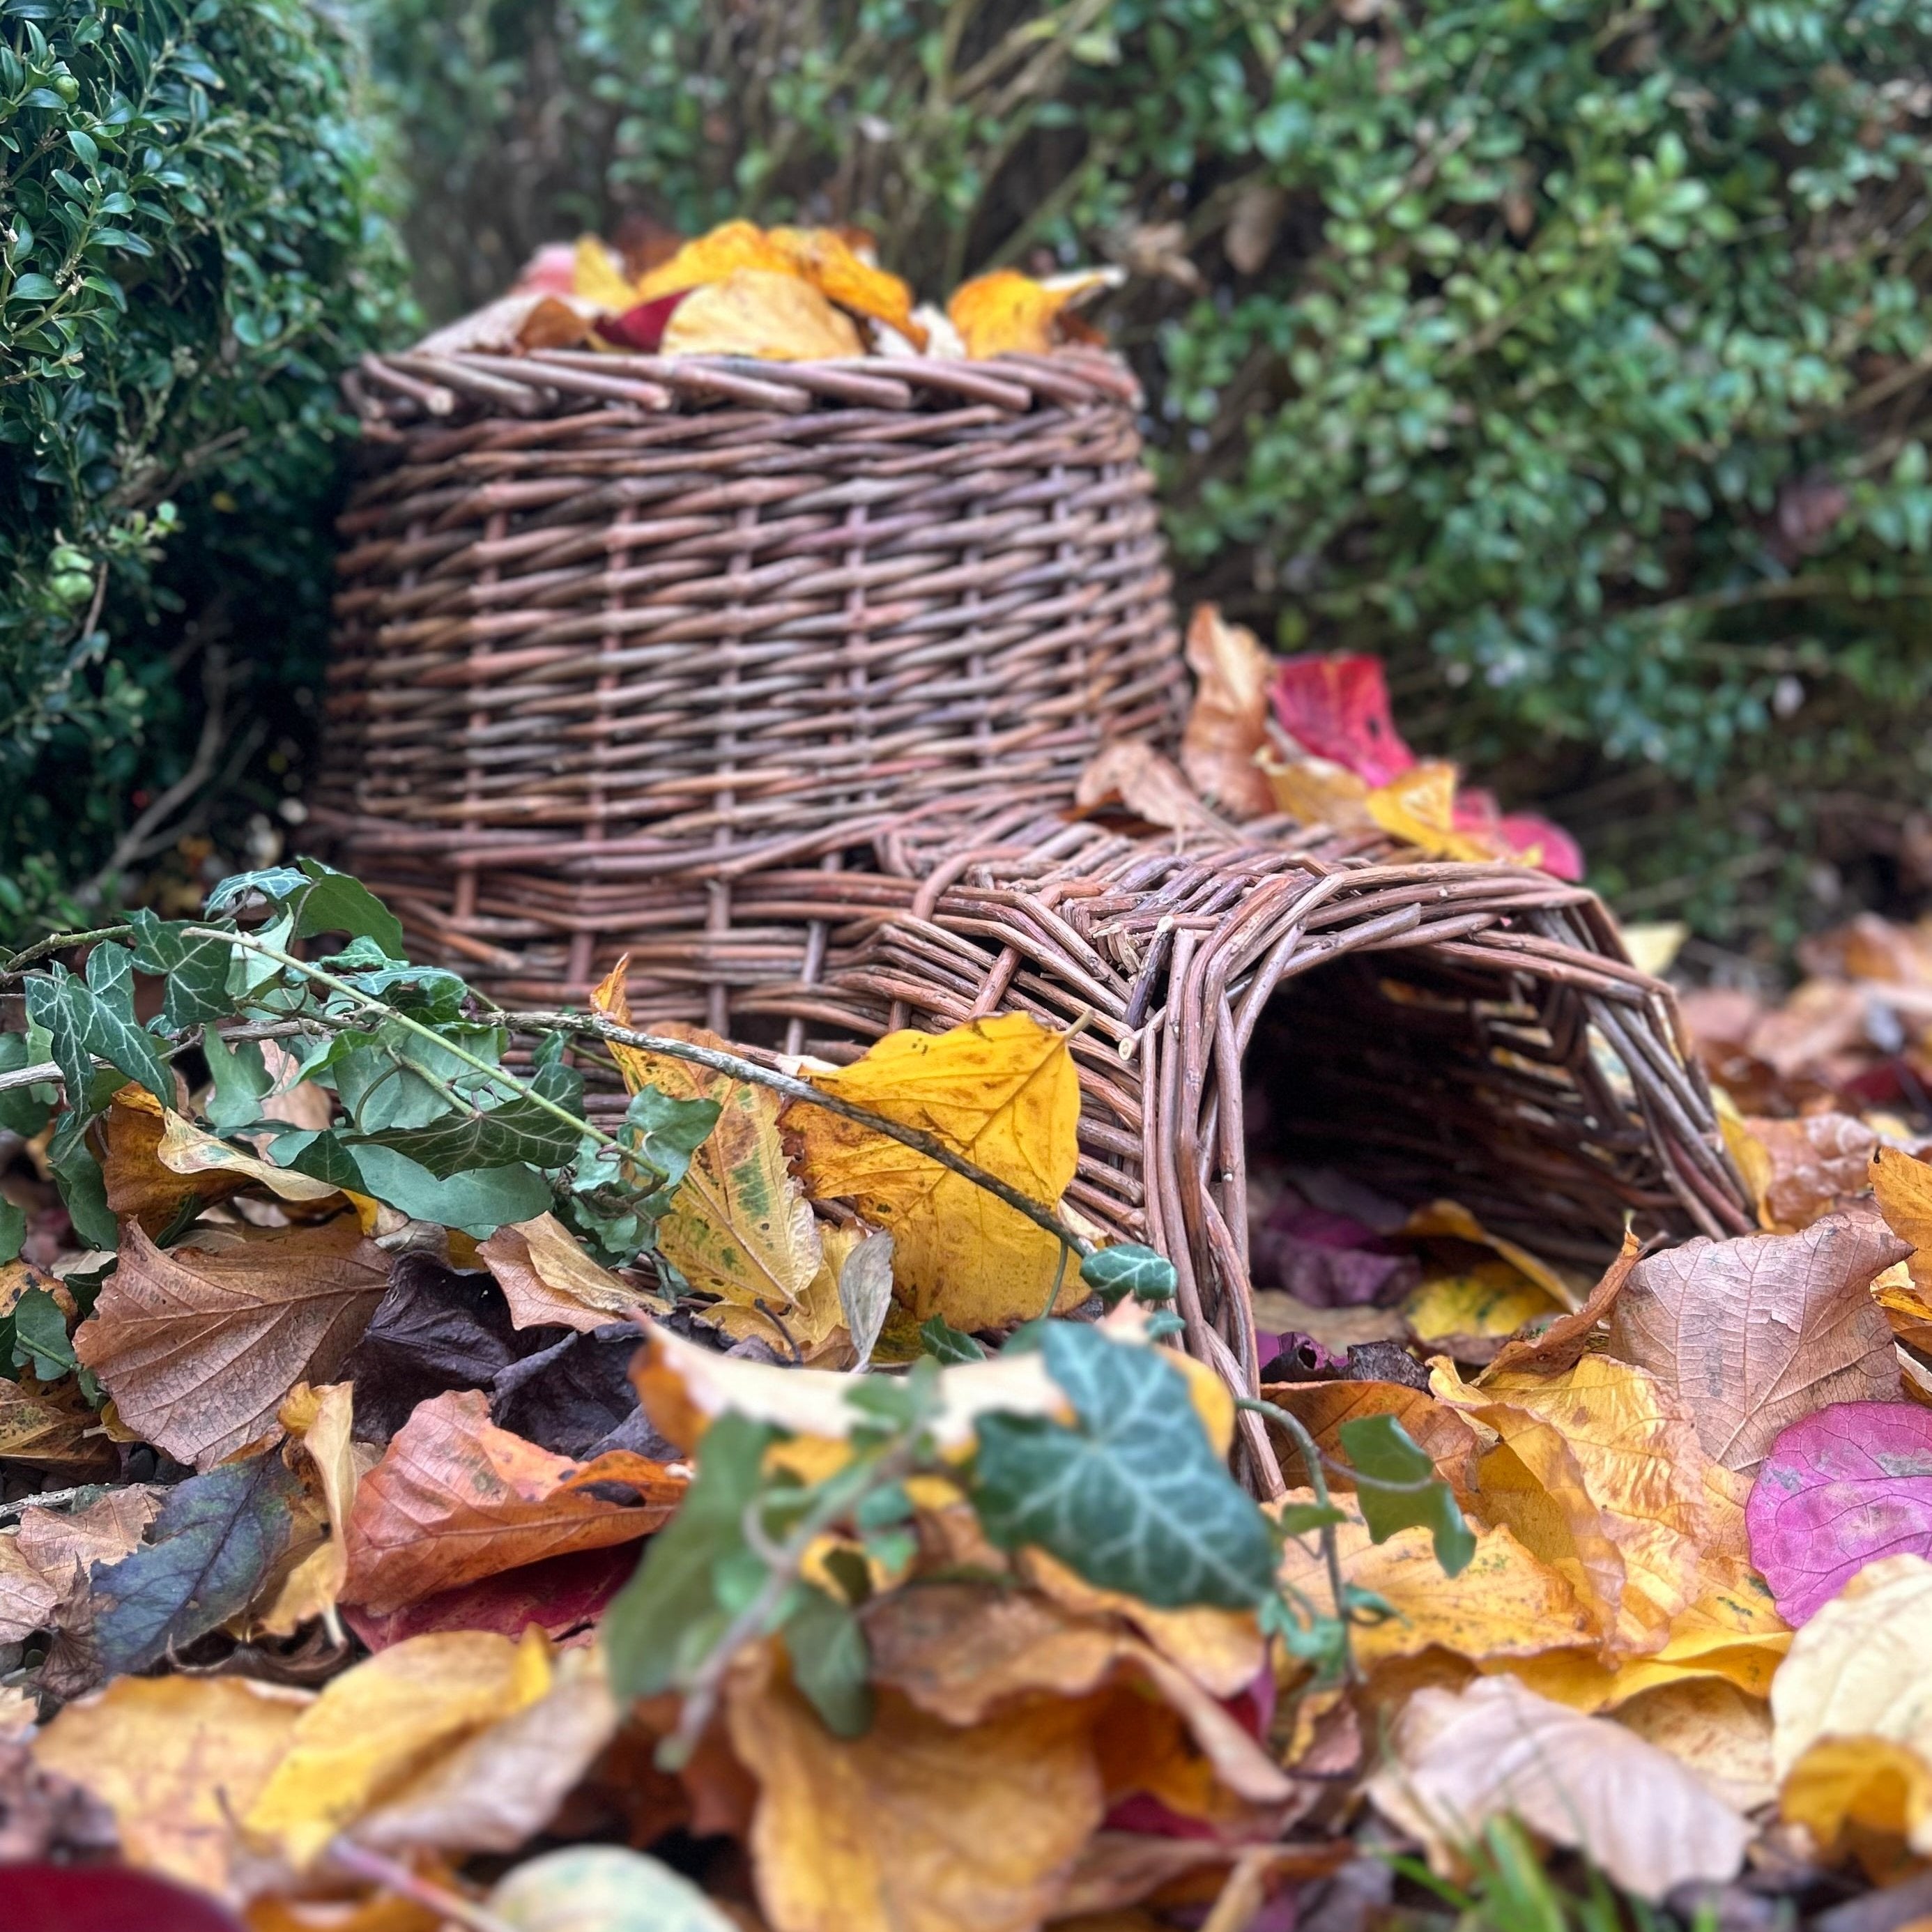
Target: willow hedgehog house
(780, 677)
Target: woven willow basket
(1475, 1031)
(618, 634)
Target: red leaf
(1337, 708)
(560, 1594)
(1520, 834)
(1840, 1489)
(104, 1898)
(642, 328)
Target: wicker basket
(1469, 1030)
(616, 633)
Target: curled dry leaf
(1864, 1795)
(140, 1186)
(1754, 1334)
(320, 1421)
(1839, 1490)
(919, 1826)
(1003, 1093)
(199, 1347)
(1805, 1169)
(1006, 312)
(52, 1429)
(1227, 726)
(549, 1282)
(759, 312)
(177, 1760)
(1561, 1346)
(1463, 1758)
(455, 1498)
(1146, 784)
(825, 258)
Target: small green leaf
(23, 1110)
(1133, 1497)
(476, 1204)
(1380, 1451)
(83, 1190)
(1128, 1268)
(12, 1231)
(195, 969)
(337, 903)
(241, 1078)
(937, 1337)
(1302, 1518)
(829, 1662)
(216, 1539)
(40, 1336)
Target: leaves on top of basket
(1319, 734)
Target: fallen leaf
(1226, 726)
(455, 1498)
(1144, 781)
(549, 1282)
(758, 312)
(1450, 1220)
(65, 1544)
(1867, 1796)
(865, 1292)
(1339, 1330)
(1839, 1490)
(186, 1149)
(1463, 1758)
(739, 1226)
(711, 257)
(1755, 1334)
(1006, 312)
(383, 1722)
(198, 1347)
(1599, 1473)
(52, 1428)
(1316, 791)
(27, 1600)
(1712, 1728)
(1505, 1603)
(1438, 1431)
(826, 259)
(1003, 1093)
(603, 1888)
(1419, 807)
(559, 1596)
(320, 1421)
(918, 1826)
(139, 1185)
(598, 276)
(1492, 1300)
(43, 1814)
(1337, 708)
(1902, 1187)
(1520, 836)
(1808, 1167)
(574, 1398)
(177, 1760)
(1561, 1345)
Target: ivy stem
(59, 942)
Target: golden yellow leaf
(1601, 1475)
(1858, 1668)
(1714, 1729)
(1492, 1299)
(1507, 1604)
(1003, 1093)
(739, 1226)
(1317, 791)
(185, 1149)
(383, 1722)
(919, 1826)
(1419, 807)
(549, 1281)
(597, 276)
(826, 259)
(775, 314)
(320, 1420)
(727, 248)
(1451, 1220)
(1007, 312)
(1869, 1797)
(177, 1760)
(1903, 1188)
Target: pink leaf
(1337, 708)
(642, 328)
(1840, 1489)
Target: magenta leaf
(1337, 708)
(1843, 1487)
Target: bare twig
(359, 1861)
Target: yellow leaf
(1003, 1093)
(185, 1149)
(1419, 807)
(729, 248)
(1903, 1188)
(1601, 1475)
(1007, 312)
(549, 1281)
(598, 277)
(919, 1825)
(177, 1760)
(1493, 1298)
(320, 1421)
(1507, 1604)
(1451, 1220)
(386, 1721)
(823, 256)
(760, 312)
(738, 1226)
(1869, 1797)
(1317, 791)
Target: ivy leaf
(520, 1129)
(334, 902)
(1380, 1450)
(23, 1110)
(241, 1082)
(1133, 1497)
(194, 969)
(476, 1204)
(275, 883)
(1129, 1268)
(83, 1188)
(938, 1338)
(12, 1231)
(96, 1017)
(373, 1073)
(41, 1337)
(829, 1664)
(667, 1617)
(216, 1539)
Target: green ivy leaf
(1132, 1497)
(938, 1338)
(12, 1231)
(829, 1663)
(241, 1082)
(334, 902)
(1380, 1450)
(83, 1190)
(216, 1539)
(195, 969)
(40, 1340)
(1129, 1268)
(476, 1204)
(23, 1110)
(80, 1024)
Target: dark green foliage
(192, 250)
(1571, 355)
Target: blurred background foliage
(1572, 355)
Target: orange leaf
(826, 260)
(1007, 312)
(730, 246)
(456, 1498)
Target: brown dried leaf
(549, 1282)
(455, 1498)
(52, 1429)
(1228, 725)
(1146, 784)
(64, 1545)
(1561, 1345)
(1321, 1408)
(1810, 1167)
(199, 1348)
(1754, 1334)
(27, 1599)
(140, 1185)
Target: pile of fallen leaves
(426, 1507)
(783, 294)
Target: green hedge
(1572, 355)
(191, 248)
